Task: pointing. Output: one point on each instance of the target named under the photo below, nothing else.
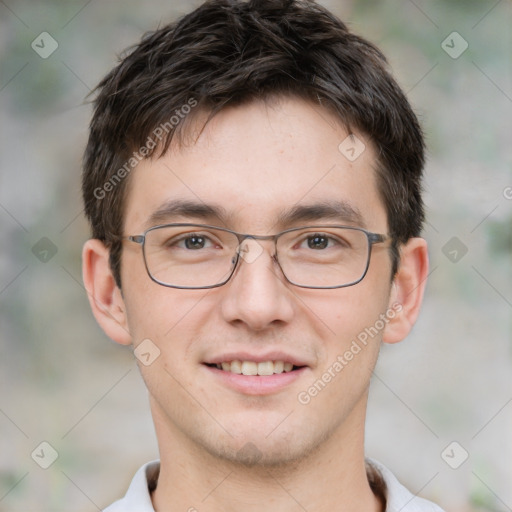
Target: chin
(251, 455)
(258, 450)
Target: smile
(255, 368)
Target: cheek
(341, 315)
(164, 322)
(158, 313)
(153, 311)
(171, 318)
(350, 344)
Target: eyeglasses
(198, 256)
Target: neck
(332, 477)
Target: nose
(258, 294)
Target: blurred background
(440, 413)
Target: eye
(322, 241)
(318, 241)
(191, 241)
(195, 242)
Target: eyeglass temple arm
(138, 239)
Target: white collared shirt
(398, 498)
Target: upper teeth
(252, 368)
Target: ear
(407, 290)
(105, 297)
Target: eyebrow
(187, 208)
(340, 211)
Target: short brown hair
(227, 52)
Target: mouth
(256, 374)
(262, 368)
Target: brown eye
(318, 241)
(195, 242)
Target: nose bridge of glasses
(250, 248)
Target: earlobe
(105, 297)
(407, 290)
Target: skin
(256, 161)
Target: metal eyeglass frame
(373, 238)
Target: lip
(256, 384)
(257, 358)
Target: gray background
(62, 381)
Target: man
(252, 179)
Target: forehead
(257, 167)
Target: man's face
(257, 162)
